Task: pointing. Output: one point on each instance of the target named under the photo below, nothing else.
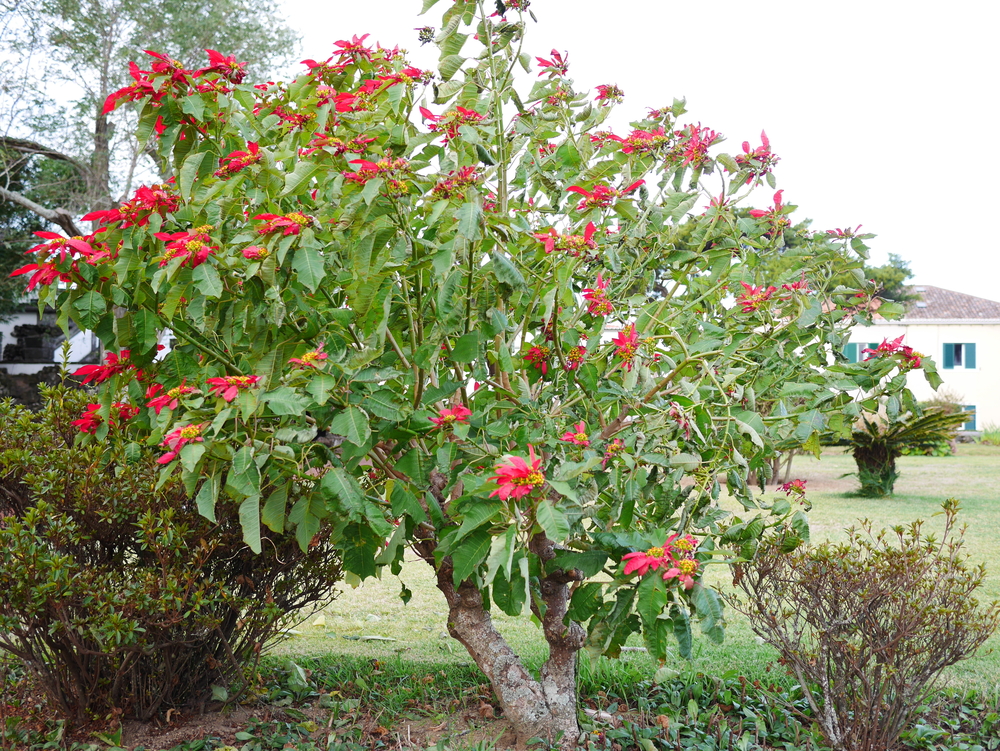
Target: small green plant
(868, 624)
(114, 591)
(991, 434)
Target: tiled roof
(938, 304)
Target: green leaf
(384, 404)
(687, 462)
(346, 488)
(273, 514)
(90, 306)
(250, 522)
(284, 401)
(469, 216)
(501, 554)
(189, 173)
(299, 176)
(307, 263)
(506, 272)
(207, 280)
(243, 478)
(449, 66)
(469, 553)
(466, 348)
(709, 607)
(475, 513)
(207, 495)
(352, 423)
(552, 521)
(587, 600)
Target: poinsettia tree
(419, 308)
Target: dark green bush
(116, 593)
(867, 625)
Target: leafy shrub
(991, 434)
(868, 624)
(114, 591)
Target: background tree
(417, 316)
(63, 58)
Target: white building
(962, 335)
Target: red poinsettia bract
(518, 477)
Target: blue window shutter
(971, 424)
(949, 356)
(969, 350)
(851, 352)
(873, 345)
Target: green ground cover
(371, 622)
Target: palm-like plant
(876, 444)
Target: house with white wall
(962, 335)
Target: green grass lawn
(370, 622)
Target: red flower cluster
(602, 196)
(575, 245)
(448, 417)
(57, 259)
(775, 216)
(255, 253)
(556, 67)
(639, 141)
(178, 438)
(599, 305)
(609, 94)
(677, 414)
(290, 224)
(229, 387)
(456, 183)
(310, 359)
(693, 149)
(115, 365)
(795, 488)
(337, 146)
(191, 246)
(575, 357)
(676, 556)
(538, 356)
(451, 121)
(160, 399)
(90, 419)
(238, 160)
(389, 170)
(910, 359)
(626, 345)
(753, 297)
(148, 200)
(759, 161)
(577, 436)
(518, 477)
(225, 65)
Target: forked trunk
(545, 707)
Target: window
(959, 356)
(971, 424)
(854, 351)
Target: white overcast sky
(884, 114)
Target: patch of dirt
(165, 733)
(466, 727)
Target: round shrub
(114, 591)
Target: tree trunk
(543, 708)
(876, 469)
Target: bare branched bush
(868, 625)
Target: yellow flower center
(688, 566)
(298, 218)
(309, 356)
(191, 431)
(194, 245)
(655, 552)
(175, 392)
(203, 229)
(532, 479)
(683, 544)
(580, 437)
